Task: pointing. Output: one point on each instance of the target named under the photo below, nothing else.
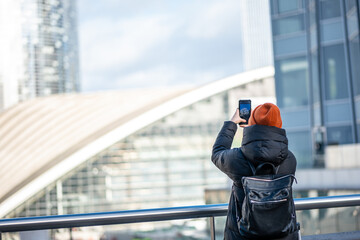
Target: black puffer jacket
(260, 143)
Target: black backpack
(268, 209)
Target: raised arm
(230, 161)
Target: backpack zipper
(273, 201)
(270, 180)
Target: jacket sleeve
(230, 161)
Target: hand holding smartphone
(245, 110)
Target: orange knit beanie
(266, 114)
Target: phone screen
(245, 109)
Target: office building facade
(317, 74)
(38, 49)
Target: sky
(141, 43)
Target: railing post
(70, 232)
(212, 228)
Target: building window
(337, 112)
(300, 146)
(332, 31)
(340, 135)
(350, 4)
(288, 5)
(330, 9)
(355, 61)
(289, 25)
(352, 23)
(292, 82)
(354, 50)
(336, 83)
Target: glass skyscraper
(317, 74)
(255, 34)
(317, 79)
(38, 49)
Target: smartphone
(245, 110)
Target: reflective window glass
(339, 135)
(355, 61)
(300, 146)
(336, 83)
(290, 45)
(313, 37)
(272, 7)
(332, 31)
(299, 117)
(288, 5)
(350, 4)
(330, 9)
(315, 77)
(317, 115)
(352, 24)
(312, 12)
(357, 108)
(292, 82)
(312, 16)
(289, 25)
(339, 111)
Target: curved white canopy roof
(44, 138)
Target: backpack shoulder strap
(253, 169)
(267, 165)
(260, 166)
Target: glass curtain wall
(318, 131)
(338, 108)
(292, 75)
(165, 164)
(49, 38)
(322, 109)
(352, 18)
(317, 54)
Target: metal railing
(159, 214)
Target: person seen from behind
(264, 141)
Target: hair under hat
(266, 114)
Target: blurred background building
(81, 153)
(38, 49)
(317, 58)
(255, 34)
(317, 78)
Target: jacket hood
(264, 144)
